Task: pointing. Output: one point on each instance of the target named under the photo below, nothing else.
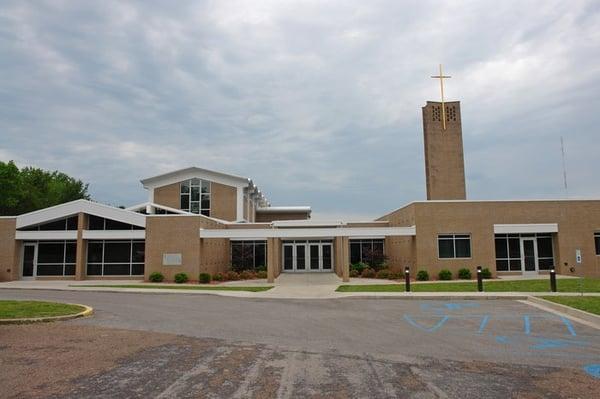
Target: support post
(271, 260)
(479, 279)
(407, 278)
(552, 280)
(345, 259)
(81, 250)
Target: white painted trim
(525, 228)
(46, 235)
(306, 223)
(194, 172)
(114, 234)
(77, 206)
(308, 232)
(284, 209)
(239, 209)
(144, 205)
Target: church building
(197, 220)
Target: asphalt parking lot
(209, 346)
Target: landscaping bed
(36, 309)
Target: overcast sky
(320, 104)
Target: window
(115, 258)
(194, 196)
(366, 251)
(98, 223)
(452, 246)
(508, 252)
(69, 223)
(56, 258)
(248, 255)
(597, 240)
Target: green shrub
(181, 278)
(464, 274)
(354, 273)
(383, 274)
(204, 278)
(486, 273)
(422, 275)
(232, 276)
(247, 275)
(261, 274)
(218, 277)
(396, 276)
(156, 277)
(368, 273)
(445, 274)
(359, 267)
(261, 268)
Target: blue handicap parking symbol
(593, 370)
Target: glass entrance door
(29, 255)
(307, 256)
(529, 255)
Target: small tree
(242, 258)
(374, 257)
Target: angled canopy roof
(189, 173)
(83, 206)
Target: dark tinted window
(114, 225)
(94, 252)
(51, 252)
(544, 247)
(446, 248)
(56, 225)
(117, 252)
(597, 240)
(95, 223)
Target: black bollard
(407, 278)
(552, 280)
(479, 280)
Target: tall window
(365, 250)
(597, 240)
(248, 255)
(115, 258)
(452, 246)
(195, 196)
(56, 258)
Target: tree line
(29, 189)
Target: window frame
(597, 242)
(102, 263)
(462, 236)
(361, 242)
(64, 262)
(190, 184)
(254, 244)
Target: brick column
(81, 254)
(271, 259)
(345, 261)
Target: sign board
(171, 260)
(578, 256)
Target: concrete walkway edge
(28, 320)
(580, 316)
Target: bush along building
(201, 221)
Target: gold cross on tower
(441, 77)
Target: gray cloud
(318, 103)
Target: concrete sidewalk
(287, 286)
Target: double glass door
(307, 256)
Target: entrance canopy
(304, 232)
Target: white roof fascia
(194, 172)
(77, 206)
(159, 206)
(526, 228)
(305, 223)
(114, 234)
(47, 235)
(274, 209)
(308, 232)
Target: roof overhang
(80, 206)
(351, 232)
(194, 172)
(526, 228)
(284, 209)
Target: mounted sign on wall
(171, 260)
(578, 256)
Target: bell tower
(444, 158)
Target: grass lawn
(180, 287)
(542, 285)
(25, 309)
(588, 303)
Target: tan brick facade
(9, 250)
(444, 159)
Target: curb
(587, 318)
(438, 297)
(86, 312)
